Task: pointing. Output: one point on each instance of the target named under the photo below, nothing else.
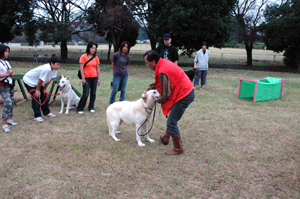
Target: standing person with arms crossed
(90, 77)
(120, 62)
(6, 88)
(167, 50)
(36, 82)
(176, 91)
(201, 65)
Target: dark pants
(35, 106)
(90, 84)
(177, 111)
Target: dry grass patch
(233, 148)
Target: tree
(114, 20)
(60, 19)
(190, 22)
(281, 31)
(16, 17)
(248, 14)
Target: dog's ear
(62, 76)
(68, 77)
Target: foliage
(282, 29)
(191, 22)
(60, 19)
(248, 14)
(16, 17)
(114, 20)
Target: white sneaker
(92, 111)
(51, 115)
(38, 119)
(5, 128)
(11, 122)
(201, 88)
(80, 112)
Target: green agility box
(265, 89)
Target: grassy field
(234, 148)
(235, 55)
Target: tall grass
(234, 148)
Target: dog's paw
(66, 112)
(151, 140)
(118, 132)
(118, 140)
(60, 112)
(141, 144)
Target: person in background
(90, 77)
(167, 50)
(36, 82)
(6, 88)
(176, 91)
(201, 65)
(120, 62)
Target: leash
(45, 99)
(199, 75)
(146, 121)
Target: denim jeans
(7, 94)
(117, 81)
(197, 78)
(90, 84)
(177, 111)
(35, 106)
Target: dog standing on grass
(134, 113)
(67, 95)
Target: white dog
(134, 113)
(67, 95)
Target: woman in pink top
(90, 77)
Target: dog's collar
(146, 108)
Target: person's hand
(46, 92)
(37, 94)
(155, 98)
(83, 81)
(195, 67)
(98, 82)
(10, 72)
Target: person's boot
(177, 142)
(165, 138)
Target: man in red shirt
(176, 91)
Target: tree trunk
(64, 50)
(109, 49)
(249, 53)
(153, 43)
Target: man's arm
(165, 88)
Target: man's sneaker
(51, 115)
(201, 88)
(80, 112)
(11, 122)
(5, 128)
(92, 111)
(38, 119)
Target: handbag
(79, 73)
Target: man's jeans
(35, 105)
(117, 80)
(177, 111)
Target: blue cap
(167, 36)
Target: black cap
(167, 36)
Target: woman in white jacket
(201, 65)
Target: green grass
(234, 148)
